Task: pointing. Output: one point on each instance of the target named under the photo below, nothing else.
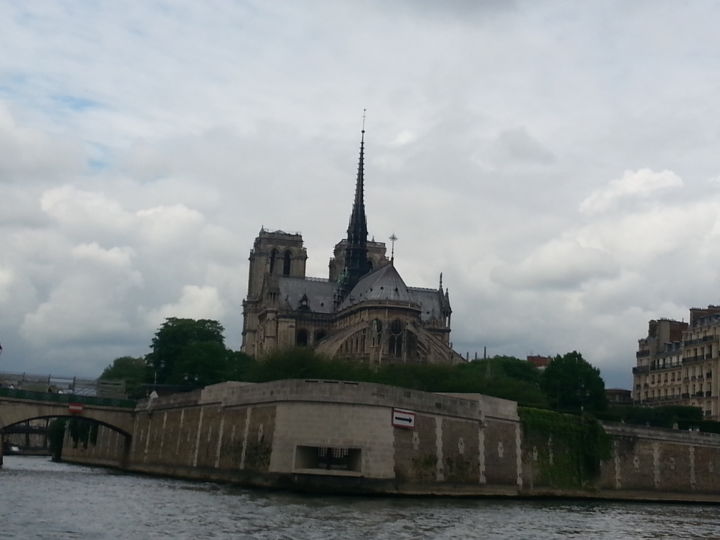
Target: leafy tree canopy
(131, 370)
(505, 377)
(193, 352)
(573, 384)
(172, 345)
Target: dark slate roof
(382, 284)
(319, 292)
(429, 300)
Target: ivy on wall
(563, 450)
(82, 431)
(56, 434)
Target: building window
(376, 333)
(301, 338)
(286, 263)
(396, 338)
(273, 256)
(328, 458)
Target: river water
(41, 499)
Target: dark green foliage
(666, 417)
(238, 366)
(177, 342)
(82, 431)
(707, 426)
(133, 371)
(192, 352)
(184, 352)
(569, 448)
(504, 377)
(572, 384)
(56, 435)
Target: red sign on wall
(75, 408)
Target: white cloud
(118, 257)
(7, 278)
(642, 183)
(195, 302)
(564, 263)
(74, 207)
(31, 154)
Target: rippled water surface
(41, 499)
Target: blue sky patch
(76, 103)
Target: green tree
(192, 352)
(239, 366)
(169, 357)
(506, 377)
(201, 363)
(132, 370)
(573, 384)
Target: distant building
(540, 362)
(618, 396)
(678, 363)
(362, 311)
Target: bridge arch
(17, 406)
(68, 416)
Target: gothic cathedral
(363, 311)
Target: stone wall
(317, 433)
(339, 436)
(662, 460)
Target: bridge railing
(66, 398)
(73, 385)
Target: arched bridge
(21, 405)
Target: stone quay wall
(335, 436)
(322, 435)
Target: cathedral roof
(430, 301)
(382, 284)
(313, 293)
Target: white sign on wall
(403, 419)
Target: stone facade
(678, 363)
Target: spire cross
(393, 239)
(363, 127)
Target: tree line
(192, 353)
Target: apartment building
(678, 363)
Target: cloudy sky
(557, 161)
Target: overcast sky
(557, 161)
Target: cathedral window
(273, 256)
(376, 333)
(301, 338)
(286, 263)
(396, 338)
(319, 335)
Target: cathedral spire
(357, 228)
(356, 259)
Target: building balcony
(642, 354)
(700, 341)
(638, 370)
